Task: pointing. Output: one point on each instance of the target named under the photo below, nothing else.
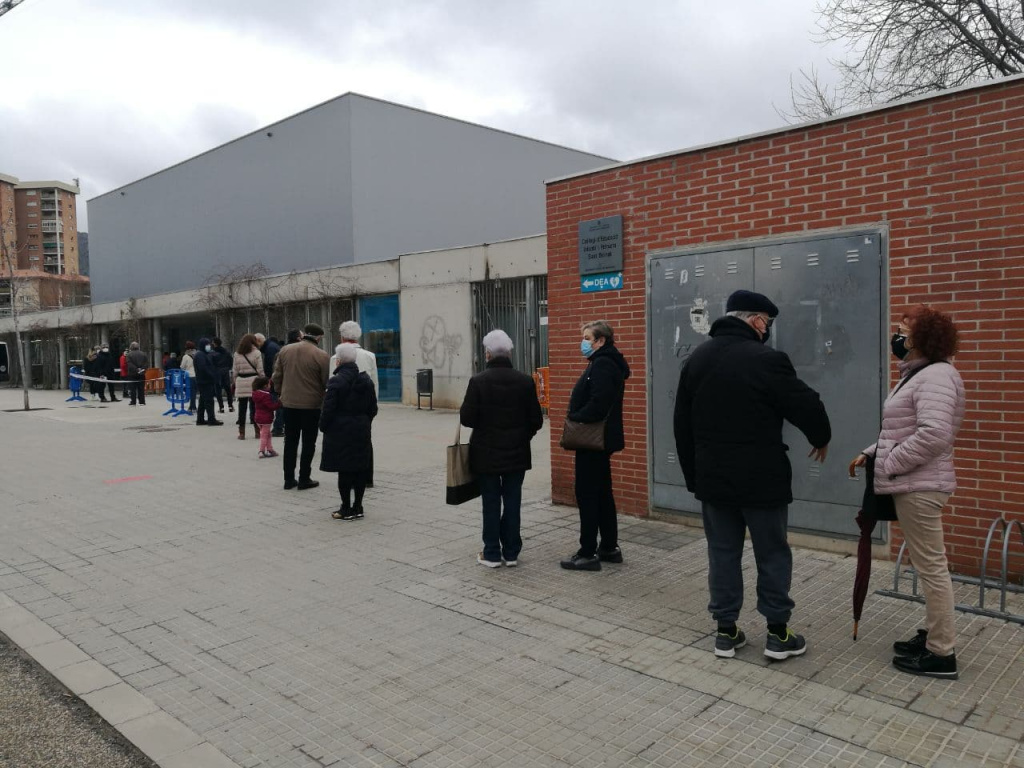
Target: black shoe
(912, 647)
(104, 400)
(781, 648)
(726, 645)
(580, 562)
(221, 409)
(357, 512)
(115, 400)
(230, 408)
(277, 434)
(342, 514)
(215, 423)
(289, 484)
(927, 664)
(349, 515)
(200, 423)
(304, 484)
(609, 555)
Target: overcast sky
(111, 91)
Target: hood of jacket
(612, 353)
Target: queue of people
(733, 397)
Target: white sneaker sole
(487, 563)
(783, 655)
(511, 563)
(731, 652)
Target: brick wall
(947, 177)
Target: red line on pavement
(128, 479)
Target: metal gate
(520, 308)
(830, 295)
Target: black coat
(348, 411)
(598, 394)
(269, 349)
(223, 360)
(734, 393)
(105, 364)
(206, 370)
(502, 408)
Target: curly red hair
(933, 333)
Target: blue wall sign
(610, 281)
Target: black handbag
(577, 436)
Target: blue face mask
(586, 347)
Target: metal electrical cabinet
(831, 297)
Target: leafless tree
(15, 285)
(903, 48)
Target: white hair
(260, 337)
(345, 353)
(498, 344)
(744, 315)
(350, 331)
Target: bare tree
(15, 287)
(904, 48)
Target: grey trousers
(725, 530)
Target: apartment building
(39, 232)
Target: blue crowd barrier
(178, 391)
(75, 385)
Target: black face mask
(899, 346)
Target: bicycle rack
(982, 582)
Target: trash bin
(425, 386)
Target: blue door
(378, 317)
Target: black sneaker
(609, 555)
(357, 512)
(727, 645)
(580, 562)
(781, 648)
(927, 664)
(912, 647)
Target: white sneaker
(511, 563)
(488, 563)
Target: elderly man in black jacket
(734, 394)
(502, 408)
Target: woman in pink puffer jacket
(914, 463)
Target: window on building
(33, 226)
(31, 193)
(31, 203)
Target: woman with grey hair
(351, 333)
(348, 411)
(501, 407)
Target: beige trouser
(920, 518)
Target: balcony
(54, 226)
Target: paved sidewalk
(218, 620)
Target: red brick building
(942, 178)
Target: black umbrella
(873, 509)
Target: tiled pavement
(218, 620)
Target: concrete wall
(283, 200)
(436, 304)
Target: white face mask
(208, 347)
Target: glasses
(768, 321)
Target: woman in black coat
(598, 396)
(345, 420)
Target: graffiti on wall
(438, 347)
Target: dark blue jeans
(725, 530)
(501, 528)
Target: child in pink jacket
(265, 404)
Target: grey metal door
(830, 297)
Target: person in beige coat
(300, 379)
(247, 364)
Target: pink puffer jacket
(914, 451)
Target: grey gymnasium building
(317, 218)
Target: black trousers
(596, 502)
(349, 482)
(224, 386)
(137, 388)
(205, 403)
(300, 424)
(246, 404)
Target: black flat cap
(748, 301)
(313, 329)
